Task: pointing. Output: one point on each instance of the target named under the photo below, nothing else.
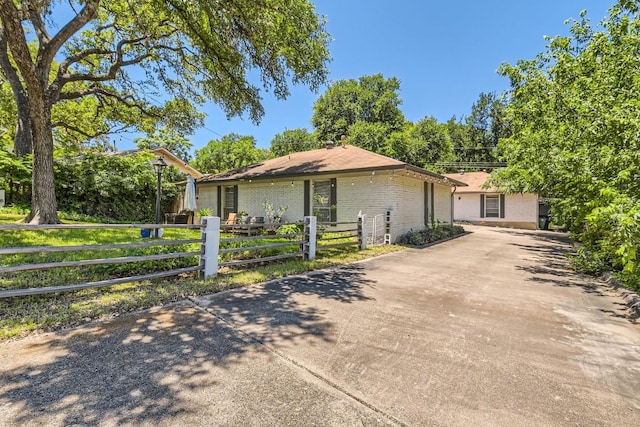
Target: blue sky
(444, 53)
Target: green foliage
(121, 188)
(231, 152)
(422, 144)
(118, 58)
(370, 99)
(292, 141)
(290, 229)
(15, 177)
(272, 214)
(430, 235)
(575, 119)
(203, 212)
(169, 139)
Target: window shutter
(426, 203)
(307, 197)
(433, 203)
(482, 206)
(333, 203)
(219, 201)
(235, 198)
(502, 206)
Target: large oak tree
(153, 57)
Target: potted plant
(244, 217)
(200, 213)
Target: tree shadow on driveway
(276, 307)
(116, 370)
(549, 264)
(142, 368)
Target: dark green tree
(169, 139)
(293, 140)
(114, 187)
(186, 51)
(370, 99)
(422, 144)
(230, 152)
(486, 126)
(575, 118)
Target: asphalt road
(488, 329)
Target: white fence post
(310, 230)
(211, 236)
(362, 231)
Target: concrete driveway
(488, 329)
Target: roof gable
(474, 182)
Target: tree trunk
(22, 140)
(44, 208)
(23, 144)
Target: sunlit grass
(22, 315)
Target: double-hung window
(492, 206)
(324, 203)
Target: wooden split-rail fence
(212, 253)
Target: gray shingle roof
(339, 159)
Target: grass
(21, 316)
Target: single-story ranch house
(487, 206)
(335, 184)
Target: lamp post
(158, 164)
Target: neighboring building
(487, 206)
(335, 184)
(170, 158)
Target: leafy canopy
(575, 118)
(230, 152)
(370, 99)
(292, 141)
(155, 59)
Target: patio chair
(230, 223)
(232, 218)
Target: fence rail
(304, 244)
(48, 249)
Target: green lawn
(22, 315)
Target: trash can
(543, 222)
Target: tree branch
(63, 77)
(36, 20)
(128, 100)
(65, 125)
(73, 59)
(49, 50)
(5, 64)
(16, 40)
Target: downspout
(455, 187)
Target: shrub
(430, 235)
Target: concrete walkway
(488, 329)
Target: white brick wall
(442, 203)
(207, 197)
(518, 208)
(251, 198)
(370, 194)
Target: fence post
(310, 229)
(362, 231)
(211, 246)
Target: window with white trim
(322, 200)
(325, 200)
(492, 206)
